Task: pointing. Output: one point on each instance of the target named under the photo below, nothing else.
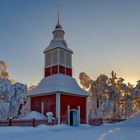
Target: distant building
(58, 92)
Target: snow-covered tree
(3, 69)
(12, 97)
(31, 87)
(12, 94)
(111, 97)
(136, 97)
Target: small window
(62, 57)
(68, 59)
(54, 57)
(47, 59)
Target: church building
(58, 92)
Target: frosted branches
(111, 97)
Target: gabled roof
(58, 43)
(58, 83)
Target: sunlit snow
(126, 130)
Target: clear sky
(104, 35)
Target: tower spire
(58, 32)
(58, 12)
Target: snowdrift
(33, 114)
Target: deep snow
(118, 131)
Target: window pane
(68, 60)
(54, 57)
(62, 57)
(47, 59)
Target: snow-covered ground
(128, 130)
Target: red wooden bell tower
(58, 57)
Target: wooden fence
(100, 121)
(35, 122)
(32, 122)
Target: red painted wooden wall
(69, 71)
(49, 103)
(47, 72)
(57, 69)
(74, 102)
(54, 70)
(62, 69)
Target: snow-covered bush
(33, 114)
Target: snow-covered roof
(58, 83)
(58, 43)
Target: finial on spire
(58, 11)
(58, 26)
(58, 32)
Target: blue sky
(104, 35)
